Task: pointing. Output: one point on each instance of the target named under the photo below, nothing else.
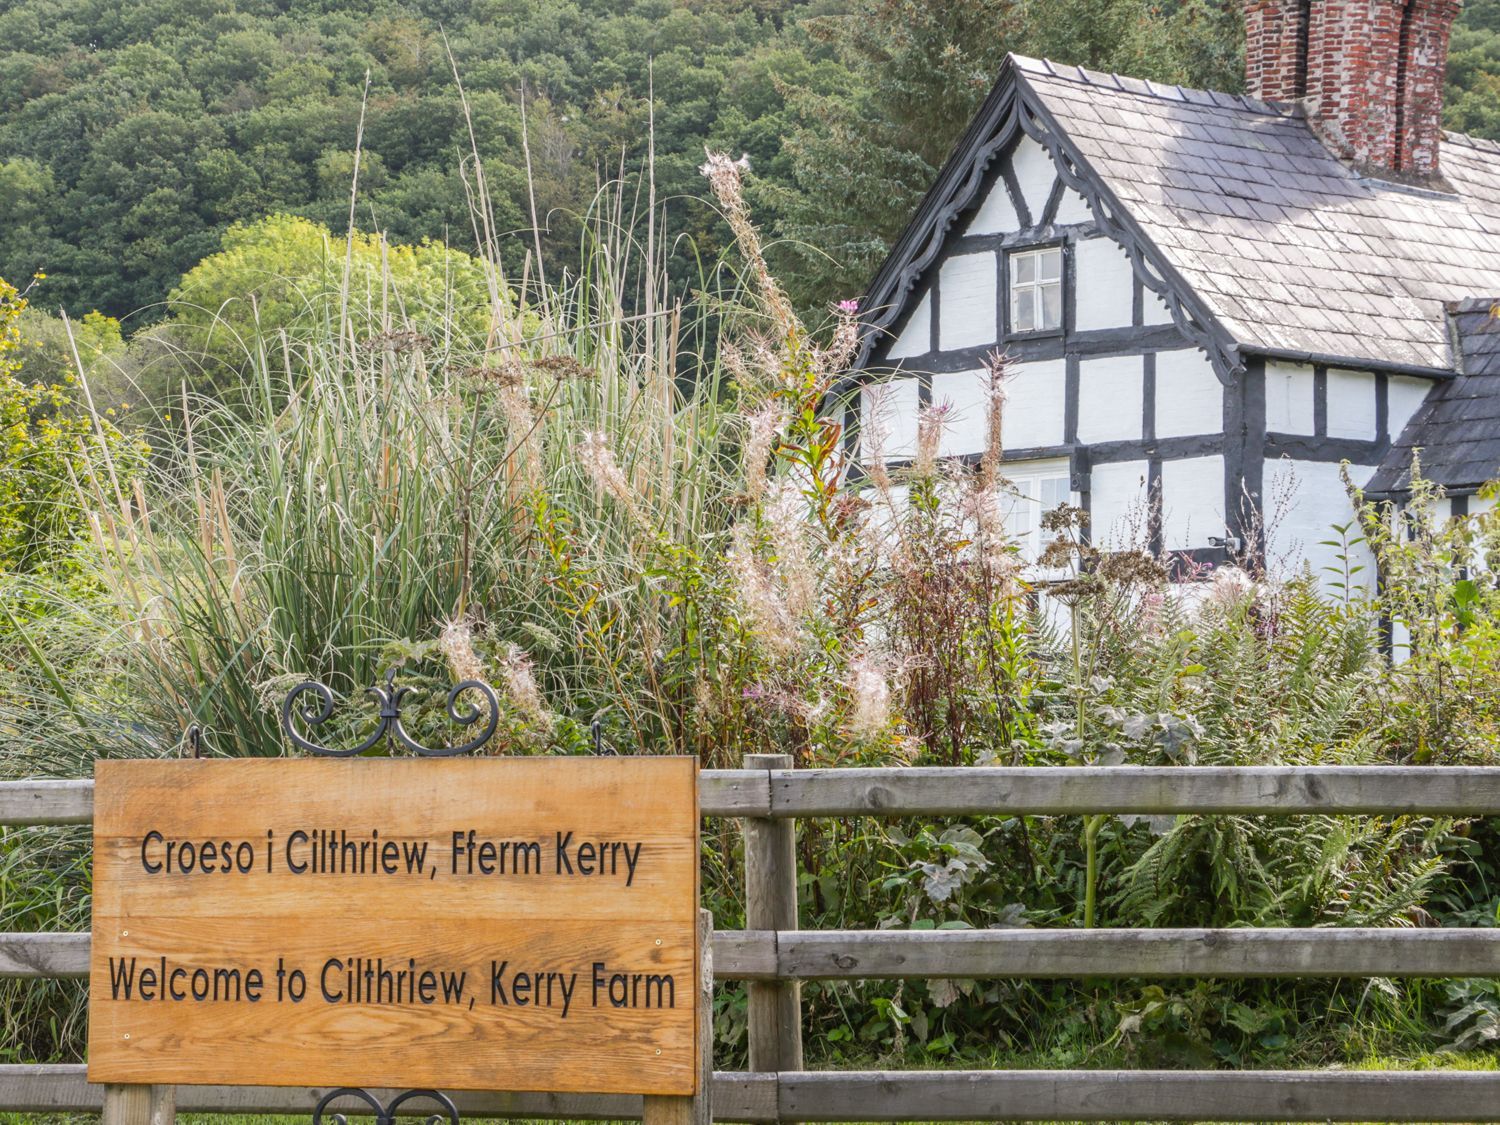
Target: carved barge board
(605, 887)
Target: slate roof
(1292, 253)
(1458, 427)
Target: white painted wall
(1105, 285)
(1117, 505)
(1034, 175)
(1154, 310)
(966, 292)
(1351, 404)
(1073, 208)
(1110, 398)
(1035, 397)
(1404, 394)
(1289, 398)
(916, 336)
(966, 393)
(997, 214)
(1303, 500)
(1189, 396)
(1192, 502)
(892, 405)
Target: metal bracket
(386, 1115)
(317, 710)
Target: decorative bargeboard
(497, 924)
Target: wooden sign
(497, 924)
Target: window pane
(1023, 268)
(1055, 491)
(1023, 309)
(1017, 517)
(1051, 264)
(1051, 305)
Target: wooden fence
(774, 956)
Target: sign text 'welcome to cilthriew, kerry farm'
(499, 924)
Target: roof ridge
(1483, 144)
(1145, 87)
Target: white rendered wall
(1073, 208)
(1189, 396)
(1034, 175)
(1035, 398)
(1303, 501)
(1105, 287)
(967, 312)
(1289, 398)
(1404, 395)
(1351, 404)
(997, 214)
(1110, 397)
(1192, 502)
(966, 394)
(1117, 505)
(893, 406)
(916, 337)
(1153, 309)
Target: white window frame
(1039, 259)
(1036, 488)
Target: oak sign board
(491, 923)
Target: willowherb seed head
(456, 643)
(520, 685)
(869, 698)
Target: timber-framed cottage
(1211, 301)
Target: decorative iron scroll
(312, 703)
(386, 1115)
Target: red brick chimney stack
(1370, 71)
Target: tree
(864, 153)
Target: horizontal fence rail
(1001, 790)
(1018, 953)
(988, 1095)
(773, 959)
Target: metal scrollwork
(386, 1115)
(312, 703)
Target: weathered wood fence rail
(774, 956)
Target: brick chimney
(1369, 71)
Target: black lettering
(292, 865)
(487, 858)
(229, 981)
(562, 853)
(598, 981)
(453, 986)
(428, 986)
(145, 863)
(520, 988)
(149, 982)
(586, 855)
(172, 990)
(337, 966)
(531, 851)
(255, 983)
(661, 982)
(390, 854)
(416, 856)
(208, 855)
(121, 977)
(497, 982)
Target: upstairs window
(1036, 296)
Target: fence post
(698, 1110)
(775, 1009)
(140, 1105)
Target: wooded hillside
(134, 132)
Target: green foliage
(50, 447)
